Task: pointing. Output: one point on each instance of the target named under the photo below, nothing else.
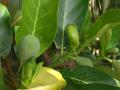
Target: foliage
(5, 32)
(79, 38)
(37, 22)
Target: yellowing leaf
(46, 79)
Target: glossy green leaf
(73, 86)
(39, 18)
(5, 32)
(70, 12)
(88, 75)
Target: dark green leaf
(70, 12)
(39, 18)
(73, 86)
(106, 69)
(83, 61)
(88, 75)
(5, 32)
(86, 26)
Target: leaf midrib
(63, 27)
(65, 14)
(36, 18)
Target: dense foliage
(78, 38)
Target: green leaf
(39, 18)
(86, 26)
(116, 64)
(37, 70)
(111, 16)
(111, 36)
(106, 69)
(88, 75)
(115, 36)
(83, 61)
(105, 40)
(70, 12)
(99, 33)
(5, 32)
(96, 86)
(110, 71)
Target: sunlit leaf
(39, 18)
(111, 16)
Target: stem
(18, 19)
(63, 27)
(62, 45)
(19, 68)
(107, 59)
(80, 49)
